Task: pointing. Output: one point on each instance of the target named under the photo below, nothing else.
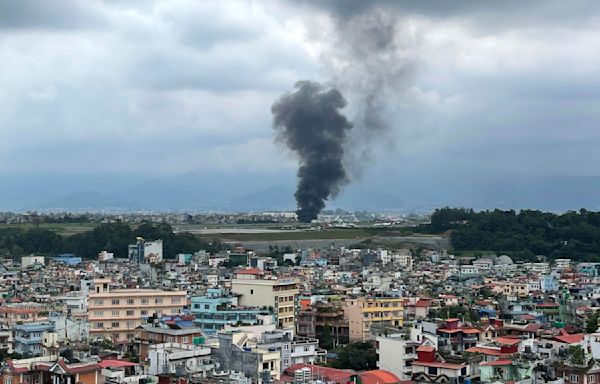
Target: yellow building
(364, 312)
(515, 289)
(258, 290)
(116, 313)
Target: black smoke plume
(309, 122)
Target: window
(252, 291)
(130, 312)
(116, 313)
(175, 300)
(116, 336)
(591, 379)
(144, 312)
(130, 301)
(130, 324)
(98, 302)
(574, 378)
(206, 306)
(115, 325)
(115, 302)
(432, 370)
(130, 336)
(158, 300)
(98, 313)
(99, 325)
(184, 340)
(144, 301)
(8, 380)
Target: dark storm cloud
(309, 122)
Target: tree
(577, 354)
(358, 356)
(591, 324)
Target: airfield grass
(68, 229)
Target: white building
(484, 265)
(27, 261)
(105, 256)
(562, 264)
(397, 352)
(403, 260)
(179, 358)
(469, 270)
(146, 251)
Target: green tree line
(523, 234)
(112, 237)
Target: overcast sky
(175, 86)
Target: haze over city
(168, 103)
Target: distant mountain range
(200, 191)
(152, 196)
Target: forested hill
(522, 234)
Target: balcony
(28, 340)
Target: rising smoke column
(308, 121)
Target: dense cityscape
(299, 192)
(397, 307)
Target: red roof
(250, 271)
(422, 303)
(496, 363)
(425, 348)
(331, 374)
(379, 376)
(570, 339)
(116, 363)
(508, 340)
(78, 368)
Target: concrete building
(293, 350)
(562, 264)
(396, 354)
(146, 251)
(180, 359)
(29, 338)
(259, 290)
(50, 369)
(364, 312)
(160, 333)
(32, 260)
(68, 259)
(116, 313)
(216, 309)
(233, 354)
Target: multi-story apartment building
(365, 312)
(314, 320)
(29, 338)
(159, 333)
(216, 309)
(22, 313)
(260, 290)
(116, 313)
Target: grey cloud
(48, 14)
